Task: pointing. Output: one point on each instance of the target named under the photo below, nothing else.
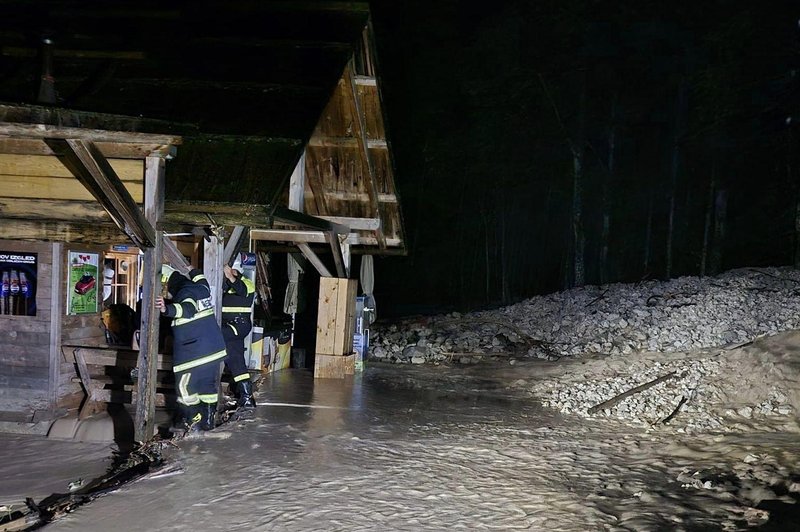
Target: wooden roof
(241, 87)
(259, 68)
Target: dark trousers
(198, 385)
(234, 346)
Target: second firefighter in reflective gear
(198, 345)
(238, 293)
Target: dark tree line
(545, 145)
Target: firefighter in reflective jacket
(198, 345)
(238, 293)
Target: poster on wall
(18, 277)
(82, 283)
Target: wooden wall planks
(45, 177)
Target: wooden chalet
(127, 122)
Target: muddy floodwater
(405, 450)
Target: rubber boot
(208, 413)
(230, 400)
(187, 418)
(245, 393)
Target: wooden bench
(105, 374)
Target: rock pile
(688, 393)
(689, 402)
(625, 322)
(676, 315)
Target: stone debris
(621, 321)
(666, 316)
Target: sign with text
(82, 282)
(18, 283)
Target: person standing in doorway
(198, 345)
(238, 293)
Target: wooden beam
(44, 131)
(333, 241)
(234, 244)
(151, 288)
(318, 193)
(314, 237)
(65, 210)
(364, 248)
(119, 357)
(173, 256)
(355, 196)
(360, 131)
(297, 185)
(282, 235)
(306, 220)
(346, 142)
(366, 81)
(212, 268)
(93, 170)
(355, 224)
(111, 150)
(195, 213)
(314, 260)
(56, 313)
(74, 232)
(346, 255)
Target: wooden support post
(360, 131)
(333, 367)
(147, 364)
(336, 317)
(212, 269)
(56, 313)
(314, 260)
(335, 327)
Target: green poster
(82, 283)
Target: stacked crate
(334, 356)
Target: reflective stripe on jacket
(198, 338)
(237, 298)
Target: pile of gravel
(688, 402)
(661, 316)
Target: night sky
(544, 145)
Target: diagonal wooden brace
(338, 259)
(314, 259)
(92, 169)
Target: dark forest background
(545, 145)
